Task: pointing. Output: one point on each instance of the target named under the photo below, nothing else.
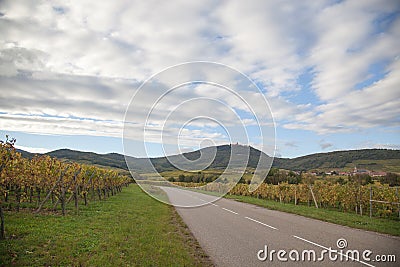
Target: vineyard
(48, 183)
(380, 200)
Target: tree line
(276, 176)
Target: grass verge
(380, 225)
(129, 229)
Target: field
(387, 165)
(127, 229)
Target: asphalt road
(233, 233)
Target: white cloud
(71, 67)
(324, 144)
(38, 150)
(291, 144)
(375, 105)
(348, 45)
(371, 144)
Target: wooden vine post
(313, 196)
(370, 201)
(75, 194)
(51, 190)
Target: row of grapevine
(349, 197)
(43, 179)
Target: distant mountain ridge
(221, 160)
(114, 160)
(336, 159)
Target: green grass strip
(129, 229)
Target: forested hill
(114, 160)
(336, 159)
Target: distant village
(354, 172)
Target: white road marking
(338, 252)
(196, 197)
(230, 211)
(201, 199)
(251, 219)
(193, 196)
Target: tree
(188, 179)
(361, 179)
(181, 178)
(208, 179)
(307, 178)
(392, 179)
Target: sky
(71, 70)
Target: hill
(333, 160)
(200, 157)
(113, 160)
(336, 159)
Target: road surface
(238, 234)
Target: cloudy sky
(330, 71)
